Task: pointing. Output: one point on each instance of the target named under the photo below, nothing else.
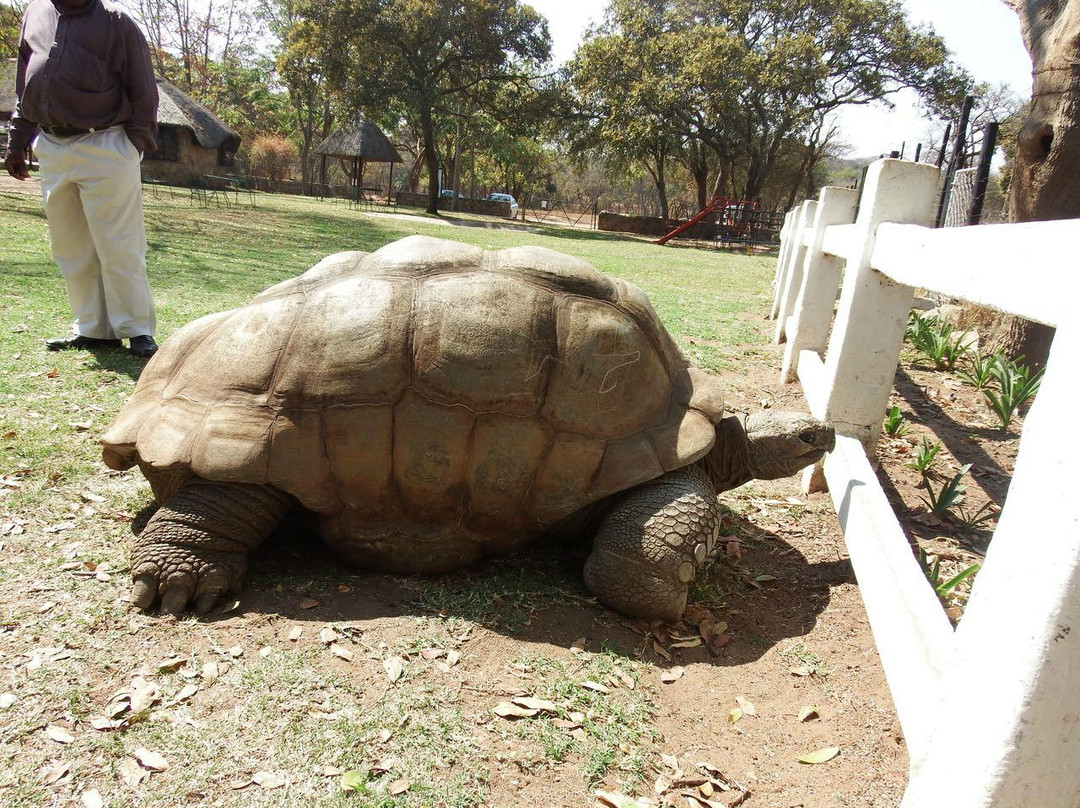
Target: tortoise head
(779, 444)
(765, 446)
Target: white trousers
(92, 191)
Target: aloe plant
(948, 496)
(924, 457)
(894, 424)
(980, 371)
(1016, 385)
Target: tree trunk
(1046, 170)
(427, 127)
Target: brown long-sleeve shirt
(84, 67)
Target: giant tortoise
(433, 403)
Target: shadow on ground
(539, 596)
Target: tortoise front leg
(651, 544)
(194, 549)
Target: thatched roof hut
(360, 141)
(359, 138)
(177, 108)
(192, 142)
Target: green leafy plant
(924, 457)
(1016, 385)
(980, 370)
(940, 343)
(895, 424)
(949, 495)
(983, 513)
(933, 574)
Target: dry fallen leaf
(6, 700)
(735, 714)
(171, 664)
(609, 799)
(295, 633)
(820, 755)
(236, 652)
(328, 635)
(808, 713)
(307, 603)
(746, 704)
(661, 651)
(395, 667)
(341, 651)
(268, 779)
(595, 686)
(672, 674)
(382, 765)
(131, 772)
(55, 773)
(507, 709)
(211, 671)
(91, 798)
(59, 734)
(800, 670)
(398, 787)
(577, 646)
(452, 658)
(154, 761)
(541, 705)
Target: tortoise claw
(144, 589)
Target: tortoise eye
(807, 437)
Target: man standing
(85, 82)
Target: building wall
(652, 226)
(193, 162)
(486, 207)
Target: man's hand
(15, 163)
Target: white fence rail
(990, 711)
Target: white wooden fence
(990, 711)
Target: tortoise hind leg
(651, 544)
(194, 549)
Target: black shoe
(143, 345)
(80, 342)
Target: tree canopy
(745, 78)
(422, 61)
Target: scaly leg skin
(194, 549)
(651, 544)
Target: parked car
(506, 198)
(448, 193)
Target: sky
(983, 35)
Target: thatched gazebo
(360, 141)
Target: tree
(1045, 181)
(11, 12)
(421, 61)
(746, 78)
(302, 75)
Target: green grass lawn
(273, 702)
(203, 260)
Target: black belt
(66, 131)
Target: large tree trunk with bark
(1046, 170)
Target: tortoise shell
(430, 380)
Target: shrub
(273, 157)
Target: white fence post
(1009, 734)
(781, 260)
(869, 329)
(792, 277)
(813, 307)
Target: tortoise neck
(728, 462)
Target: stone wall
(193, 162)
(652, 226)
(484, 207)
